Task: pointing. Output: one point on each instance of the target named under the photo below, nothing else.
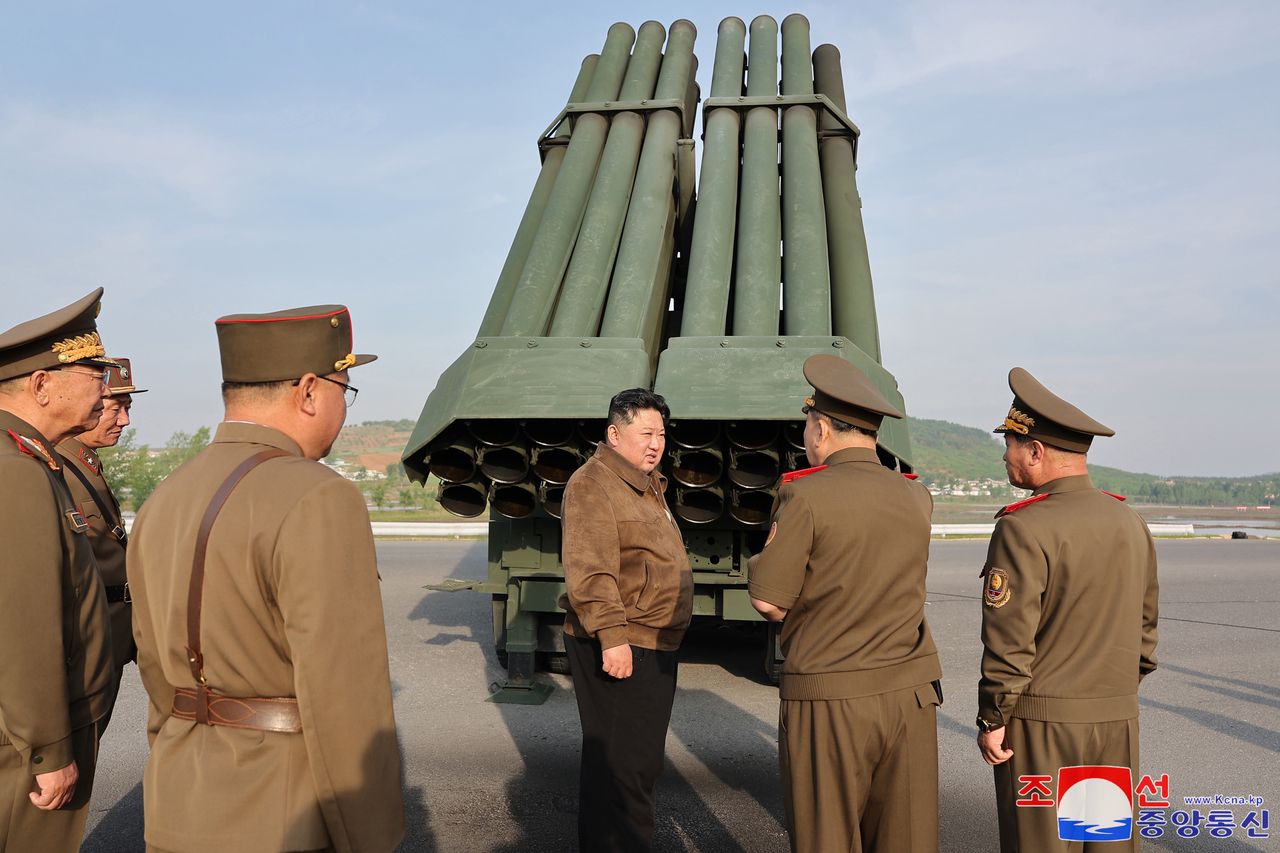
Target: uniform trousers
(1042, 749)
(27, 829)
(861, 774)
(624, 734)
(123, 650)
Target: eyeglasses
(100, 375)
(349, 392)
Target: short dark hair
(838, 425)
(625, 404)
(251, 393)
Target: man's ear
(1038, 451)
(38, 386)
(611, 435)
(304, 394)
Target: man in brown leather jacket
(55, 682)
(628, 601)
(93, 495)
(1069, 609)
(258, 615)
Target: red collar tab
(90, 460)
(912, 476)
(792, 476)
(1014, 507)
(33, 448)
(1114, 495)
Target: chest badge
(997, 591)
(76, 521)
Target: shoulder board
(1014, 507)
(792, 476)
(912, 476)
(33, 448)
(1114, 495)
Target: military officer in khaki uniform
(844, 564)
(93, 496)
(258, 616)
(56, 682)
(1069, 608)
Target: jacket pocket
(649, 590)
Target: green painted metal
(534, 297)
(637, 294)
(758, 277)
(706, 307)
(853, 302)
(587, 279)
(500, 302)
(806, 288)
(618, 277)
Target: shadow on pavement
(120, 830)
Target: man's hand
(56, 788)
(993, 748)
(617, 661)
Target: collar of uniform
(630, 474)
(853, 454)
(243, 432)
(8, 420)
(1078, 483)
(73, 449)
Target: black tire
(557, 662)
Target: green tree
(377, 492)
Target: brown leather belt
(238, 712)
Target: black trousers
(624, 733)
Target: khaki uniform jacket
(626, 571)
(108, 549)
(1070, 604)
(292, 608)
(846, 557)
(54, 634)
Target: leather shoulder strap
(195, 593)
(108, 515)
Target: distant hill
(947, 456)
(946, 453)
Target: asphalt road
(483, 777)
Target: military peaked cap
(66, 336)
(120, 379)
(287, 344)
(841, 391)
(1040, 414)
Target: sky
(1089, 190)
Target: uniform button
(38, 759)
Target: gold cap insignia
(1019, 422)
(343, 363)
(81, 346)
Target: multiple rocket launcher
(618, 277)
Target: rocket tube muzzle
(694, 434)
(463, 499)
(514, 500)
(556, 465)
(752, 435)
(698, 467)
(751, 506)
(453, 463)
(551, 496)
(507, 464)
(494, 433)
(699, 506)
(754, 469)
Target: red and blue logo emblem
(1095, 803)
